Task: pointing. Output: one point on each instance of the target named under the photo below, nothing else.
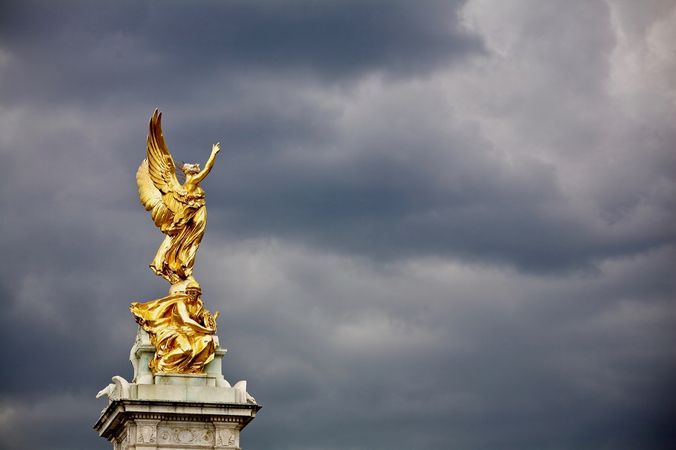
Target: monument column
(178, 398)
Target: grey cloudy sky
(433, 224)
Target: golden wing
(161, 165)
(159, 190)
(151, 199)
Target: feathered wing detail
(152, 199)
(161, 165)
(159, 189)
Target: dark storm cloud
(451, 198)
(404, 190)
(432, 223)
(66, 179)
(501, 354)
(125, 48)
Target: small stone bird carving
(116, 390)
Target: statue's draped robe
(176, 255)
(179, 329)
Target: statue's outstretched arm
(210, 163)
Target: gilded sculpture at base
(180, 328)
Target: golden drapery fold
(181, 330)
(176, 256)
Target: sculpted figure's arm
(210, 163)
(185, 317)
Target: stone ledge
(185, 393)
(121, 413)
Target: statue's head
(193, 289)
(190, 169)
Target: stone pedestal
(170, 411)
(160, 425)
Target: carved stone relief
(146, 431)
(226, 437)
(185, 434)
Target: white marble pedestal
(164, 411)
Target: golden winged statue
(180, 328)
(179, 210)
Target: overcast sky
(432, 224)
